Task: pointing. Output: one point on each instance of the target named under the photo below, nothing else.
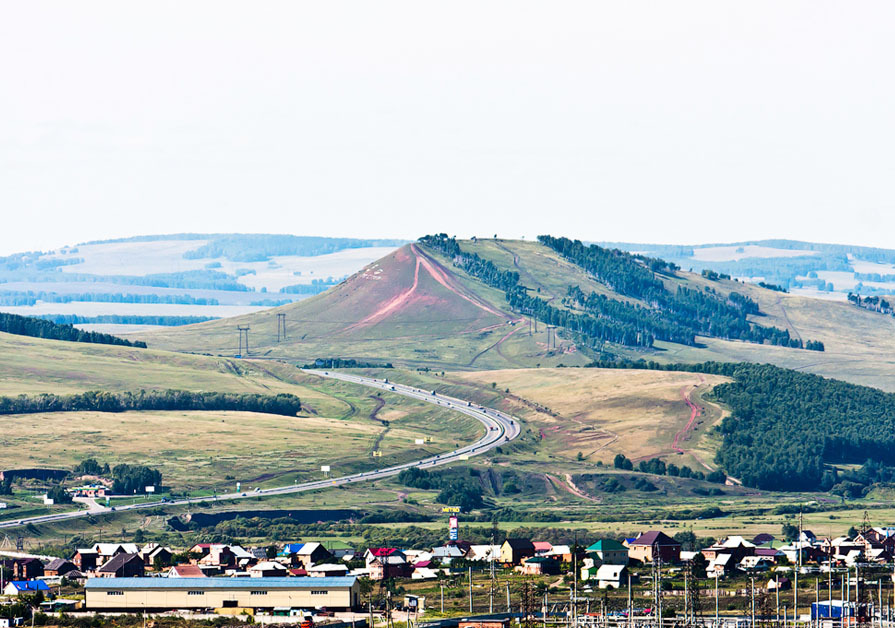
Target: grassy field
(201, 450)
(602, 412)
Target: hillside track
(499, 429)
(695, 411)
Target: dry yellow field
(204, 449)
(602, 412)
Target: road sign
(150, 489)
(325, 468)
(420, 441)
(451, 509)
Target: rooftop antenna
(243, 330)
(281, 325)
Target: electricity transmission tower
(281, 326)
(243, 331)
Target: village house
(268, 569)
(185, 571)
(123, 566)
(608, 552)
(542, 548)
(514, 550)
(327, 570)
(85, 559)
(654, 545)
(392, 565)
(25, 587)
(306, 554)
(23, 568)
(538, 566)
(59, 567)
(736, 546)
(612, 576)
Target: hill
(416, 308)
(410, 306)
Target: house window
(258, 593)
(195, 592)
(319, 592)
(114, 592)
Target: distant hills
(167, 279)
(807, 268)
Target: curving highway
(499, 428)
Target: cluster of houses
(314, 568)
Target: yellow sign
(377, 454)
(450, 509)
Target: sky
(673, 122)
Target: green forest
(787, 428)
(282, 404)
(39, 328)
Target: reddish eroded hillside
(407, 292)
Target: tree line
(683, 313)
(39, 328)
(283, 404)
(125, 319)
(30, 297)
(875, 303)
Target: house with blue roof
(23, 587)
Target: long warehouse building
(162, 594)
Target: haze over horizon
(682, 124)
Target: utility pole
(717, 600)
(470, 589)
(752, 589)
(795, 595)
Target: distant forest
(261, 247)
(125, 319)
(39, 328)
(30, 297)
(99, 401)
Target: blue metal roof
(30, 585)
(331, 582)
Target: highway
(499, 428)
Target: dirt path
(786, 318)
(496, 345)
(695, 411)
(577, 491)
(380, 402)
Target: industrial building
(162, 594)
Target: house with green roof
(608, 552)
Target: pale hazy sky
(643, 121)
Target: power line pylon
(281, 326)
(243, 331)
